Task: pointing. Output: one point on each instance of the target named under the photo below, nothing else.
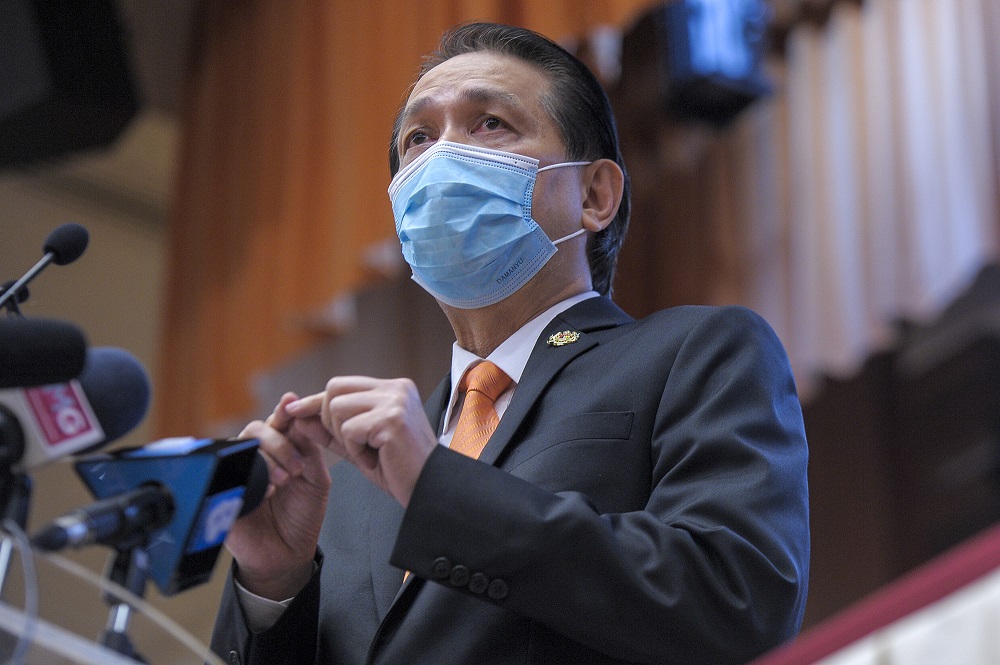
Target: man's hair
(576, 102)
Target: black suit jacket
(642, 500)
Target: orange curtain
(280, 205)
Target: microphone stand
(16, 293)
(14, 503)
(128, 567)
(15, 498)
(15, 489)
(13, 302)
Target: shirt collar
(512, 355)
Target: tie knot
(485, 378)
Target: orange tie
(482, 385)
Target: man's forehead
(481, 94)
(483, 76)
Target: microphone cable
(28, 625)
(142, 606)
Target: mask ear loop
(562, 164)
(556, 166)
(571, 235)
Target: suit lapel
(435, 405)
(546, 360)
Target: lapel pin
(563, 338)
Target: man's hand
(379, 425)
(274, 544)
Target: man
(643, 497)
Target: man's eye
(416, 138)
(492, 123)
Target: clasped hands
(379, 425)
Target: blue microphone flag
(207, 480)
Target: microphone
(40, 424)
(112, 521)
(65, 244)
(177, 497)
(36, 352)
(118, 389)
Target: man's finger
(280, 418)
(275, 446)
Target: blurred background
(832, 164)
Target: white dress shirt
(511, 356)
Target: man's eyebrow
(487, 95)
(480, 95)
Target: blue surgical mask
(463, 216)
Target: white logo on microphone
(69, 419)
(220, 519)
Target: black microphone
(178, 498)
(118, 389)
(36, 352)
(112, 521)
(40, 424)
(65, 244)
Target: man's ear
(603, 182)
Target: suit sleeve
(291, 641)
(714, 566)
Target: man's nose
(454, 134)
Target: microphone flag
(207, 480)
(58, 417)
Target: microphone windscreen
(118, 390)
(66, 243)
(256, 486)
(37, 352)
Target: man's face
(494, 101)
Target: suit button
(441, 568)
(478, 583)
(459, 576)
(234, 658)
(497, 589)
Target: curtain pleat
(892, 174)
(867, 185)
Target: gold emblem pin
(563, 338)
